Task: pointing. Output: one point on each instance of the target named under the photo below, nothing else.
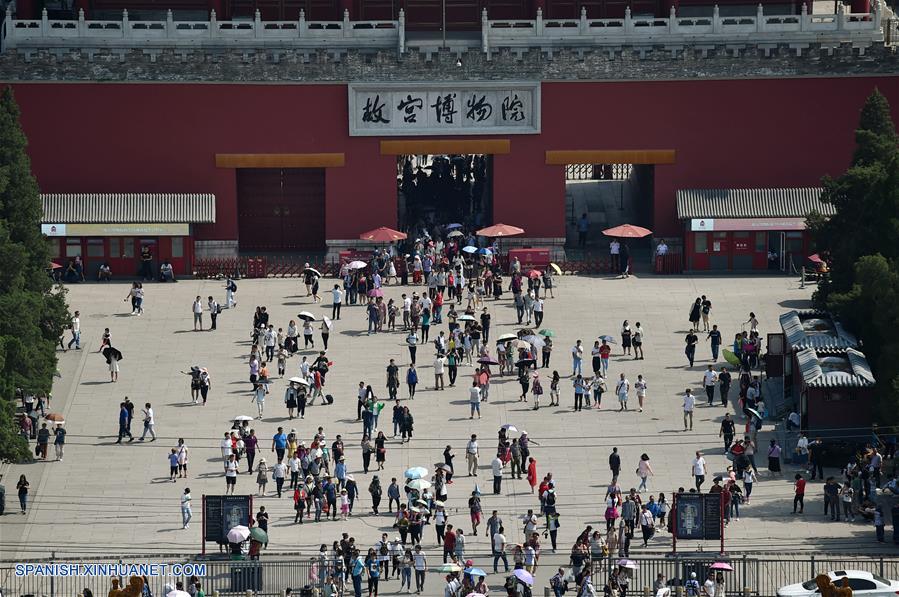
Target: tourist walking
(149, 422)
(186, 513)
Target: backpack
(329, 399)
(233, 287)
(383, 550)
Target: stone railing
(760, 30)
(767, 32)
(255, 33)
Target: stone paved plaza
(108, 499)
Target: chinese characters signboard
(698, 516)
(444, 109)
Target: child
(344, 504)
(173, 465)
(106, 340)
(282, 362)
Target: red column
(219, 7)
(861, 6)
(25, 9)
(347, 5)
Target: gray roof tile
(751, 203)
(128, 208)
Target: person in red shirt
(604, 351)
(532, 473)
(449, 542)
(800, 493)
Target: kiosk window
(128, 246)
(761, 242)
(177, 247)
(73, 247)
(702, 242)
(95, 247)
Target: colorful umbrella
(356, 265)
(556, 268)
(500, 230)
(259, 535)
(238, 534)
(524, 576)
(535, 341)
(475, 572)
(453, 226)
(375, 292)
(534, 273)
(54, 265)
(506, 337)
(547, 333)
(813, 258)
(509, 427)
(721, 566)
(382, 235)
(419, 484)
(485, 252)
(627, 231)
(731, 358)
(55, 417)
(470, 249)
(476, 594)
(449, 568)
(306, 316)
(608, 338)
(454, 233)
(466, 318)
(629, 564)
(416, 472)
(522, 345)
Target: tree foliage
(862, 243)
(32, 313)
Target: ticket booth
(114, 229)
(748, 229)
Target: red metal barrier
(670, 263)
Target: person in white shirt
(640, 385)
(420, 563)
(662, 247)
(471, 454)
(709, 381)
(294, 464)
(439, 362)
(231, 474)
(185, 508)
(614, 253)
(76, 331)
(226, 449)
(498, 543)
(279, 471)
(647, 524)
(336, 302)
(149, 422)
(698, 470)
(198, 314)
(497, 466)
(474, 399)
(621, 390)
(689, 404)
(802, 449)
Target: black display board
(698, 516)
(222, 513)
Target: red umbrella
(382, 235)
(815, 258)
(627, 231)
(500, 230)
(534, 274)
(54, 265)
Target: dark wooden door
(286, 10)
(281, 209)
(599, 9)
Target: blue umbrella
(608, 339)
(416, 472)
(470, 249)
(485, 252)
(475, 572)
(453, 226)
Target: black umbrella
(112, 353)
(526, 362)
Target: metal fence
(266, 577)
(597, 171)
(762, 576)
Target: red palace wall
(163, 138)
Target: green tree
(32, 313)
(862, 243)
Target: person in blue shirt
(330, 492)
(356, 571)
(123, 423)
(279, 443)
(372, 566)
(412, 380)
(583, 225)
(340, 472)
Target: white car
(864, 584)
